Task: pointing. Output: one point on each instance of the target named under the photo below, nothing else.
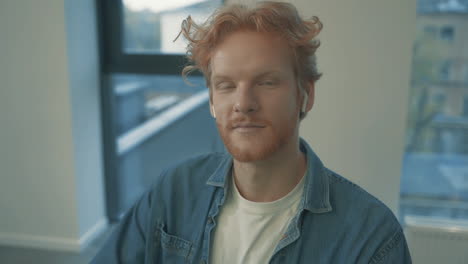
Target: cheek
(222, 109)
(221, 105)
(287, 105)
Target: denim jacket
(337, 221)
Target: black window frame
(115, 60)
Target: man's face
(254, 95)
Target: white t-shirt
(248, 232)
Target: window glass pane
(138, 98)
(444, 70)
(435, 165)
(151, 26)
(447, 33)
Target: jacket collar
(316, 197)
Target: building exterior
(440, 77)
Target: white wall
(357, 124)
(50, 162)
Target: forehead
(247, 53)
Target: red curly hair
(267, 16)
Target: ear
(311, 96)
(212, 110)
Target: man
(270, 200)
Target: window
(151, 116)
(141, 60)
(137, 35)
(447, 33)
(435, 163)
(151, 26)
(444, 70)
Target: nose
(245, 100)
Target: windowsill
(432, 223)
(139, 134)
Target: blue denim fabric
(337, 221)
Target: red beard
(259, 145)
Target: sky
(158, 6)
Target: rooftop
(442, 6)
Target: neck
(270, 179)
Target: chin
(254, 152)
(253, 148)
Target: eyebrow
(258, 76)
(220, 78)
(267, 73)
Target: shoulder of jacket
(346, 191)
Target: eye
(266, 83)
(225, 86)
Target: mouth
(247, 127)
